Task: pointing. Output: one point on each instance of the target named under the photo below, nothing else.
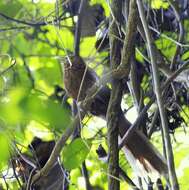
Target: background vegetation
(34, 34)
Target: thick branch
(145, 109)
(129, 38)
(85, 105)
(115, 98)
(116, 93)
(57, 149)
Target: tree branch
(181, 32)
(152, 99)
(78, 27)
(44, 23)
(116, 93)
(57, 149)
(157, 90)
(115, 97)
(85, 105)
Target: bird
(143, 157)
(77, 77)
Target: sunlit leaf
(50, 66)
(63, 38)
(139, 57)
(4, 148)
(10, 8)
(9, 110)
(46, 111)
(23, 105)
(23, 45)
(157, 4)
(166, 46)
(185, 56)
(87, 46)
(75, 153)
(27, 111)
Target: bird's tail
(144, 158)
(141, 153)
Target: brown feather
(75, 71)
(138, 144)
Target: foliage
(34, 36)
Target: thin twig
(15, 174)
(152, 99)
(133, 127)
(29, 184)
(76, 134)
(5, 181)
(57, 149)
(102, 154)
(14, 28)
(181, 32)
(78, 27)
(85, 105)
(169, 38)
(168, 146)
(127, 179)
(28, 71)
(152, 126)
(44, 23)
(86, 176)
(13, 61)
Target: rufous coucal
(138, 149)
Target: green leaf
(64, 37)
(22, 78)
(185, 56)
(75, 153)
(46, 111)
(139, 57)
(157, 4)
(10, 8)
(9, 110)
(87, 46)
(23, 46)
(23, 105)
(166, 46)
(50, 66)
(4, 149)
